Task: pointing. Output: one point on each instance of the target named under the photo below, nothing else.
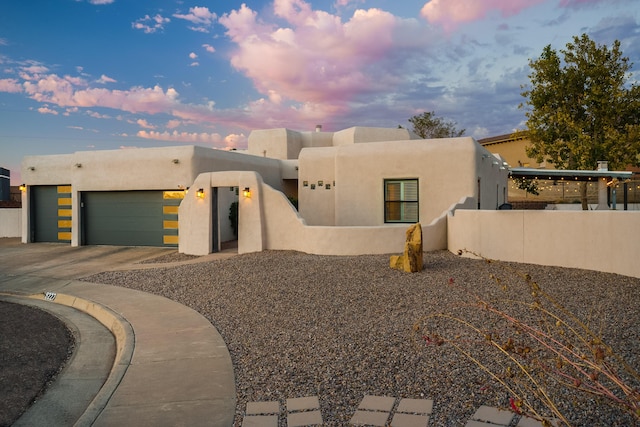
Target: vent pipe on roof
(318, 128)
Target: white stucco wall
(315, 201)
(267, 220)
(447, 169)
(594, 240)
(195, 214)
(163, 168)
(286, 230)
(285, 143)
(360, 134)
(10, 222)
(279, 143)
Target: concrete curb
(125, 344)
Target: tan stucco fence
(10, 222)
(607, 241)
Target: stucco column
(602, 194)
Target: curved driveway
(167, 366)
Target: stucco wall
(267, 220)
(162, 168)
(285, 230)
(166, 168)
(595, 240)
(278, 143)
(316, 202)
(10, 222)
(47, 170)
(358, 134)
(447, 169)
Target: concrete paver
(374, 418)
(377, 403)
(308, 418)
(260, 421)
(415, 406)
(256, 408)
(409, 420)
(303, 403)
(491, 415)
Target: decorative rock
(411, 260)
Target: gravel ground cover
(34, 346)
(344, 327)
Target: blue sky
(79, 75)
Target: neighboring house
(512, 148)
(357, 191)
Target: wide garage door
(127, 218)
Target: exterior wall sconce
(246, 192)
(200, 193)
(175, 161)
(23, 187)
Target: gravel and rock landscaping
(344, 327)
(34, 346)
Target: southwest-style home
(357, 191)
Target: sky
(82, 75)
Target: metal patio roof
(567, 175)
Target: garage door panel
(50, 211)
(44, 209)
(124, 218)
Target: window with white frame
(401, 200)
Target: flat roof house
(357, 191)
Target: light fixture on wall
(78, 165)
(246, 192)
(23, 187)
(200, 193)
(176, 161)
(31, 168)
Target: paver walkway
(376, 411)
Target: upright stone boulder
(411, 260)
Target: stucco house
(357, 191)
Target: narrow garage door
(123, 218)
(44, 213)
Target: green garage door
(123, 218)
(44, 213)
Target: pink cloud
(451, 13)
(145, 124)
(47, 110)
(150, 24)
(70, 92)
(235, 140)
(200, 16)
(317, 58)
(342, 3)
(105, 79)
(10, 85)
(227, 142)
(172, 124)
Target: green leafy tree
(581, 109)
(427, 125)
